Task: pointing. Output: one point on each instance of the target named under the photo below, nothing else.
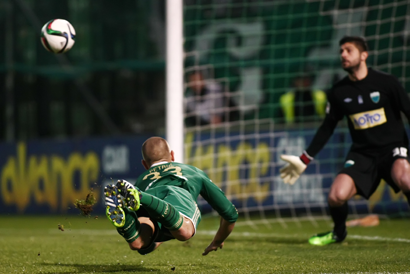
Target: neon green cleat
(132, 199)
(326, 238)
(114, 210)
(130, 193)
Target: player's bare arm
(225, 229)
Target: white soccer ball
(58, 36)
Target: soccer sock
(164, 212)
(130, 230)
(339, 216)
(407, 194)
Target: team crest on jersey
(349, 163)
(368, 119)
(375, 96)
(327, 108)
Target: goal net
(255, 73)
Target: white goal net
(246, 62)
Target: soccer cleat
(114, 210)
(326, 238)
(123, 186)
(130, 193)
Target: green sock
(130, 230)
(164, 212)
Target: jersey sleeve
(401, 98)
(325, 131)
(217, 199)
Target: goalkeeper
(162, 204)
(372, 102)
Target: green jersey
(192, 179)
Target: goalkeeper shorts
(367, 169)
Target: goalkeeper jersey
(373, 109)
(194, 180)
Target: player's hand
(292, 170)
(212, 247)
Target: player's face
(350, 57)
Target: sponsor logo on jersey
(347, 100)
(360, 99)
(349, 163)
(368, 119)
(375, 96)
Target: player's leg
(159, 203)
(400, 173)
(185, 207)
(146, 234)
(342, 189)
(186, 231)
(156, 207)
(127, 223)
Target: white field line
(273, 235)
(235, 234)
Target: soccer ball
(58, 36)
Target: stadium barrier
(47, 177)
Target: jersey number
(156, 175)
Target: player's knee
(183, 234)
(404, 182)
(135, 245)
(336, 198)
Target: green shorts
(182, 200)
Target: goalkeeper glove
(294, 167)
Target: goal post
(174, 78)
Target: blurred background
(255, 77)
(112, 83)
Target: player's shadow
(86, 268)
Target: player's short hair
(358, 41)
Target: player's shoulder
(376, 72)
(141, 176)
(338, 86)
(380, 75)
(186, 167)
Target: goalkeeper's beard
(352, 69)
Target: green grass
(89, 245)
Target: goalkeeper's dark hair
(359, 42)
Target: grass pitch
(76, 244)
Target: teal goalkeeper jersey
(194, 180)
